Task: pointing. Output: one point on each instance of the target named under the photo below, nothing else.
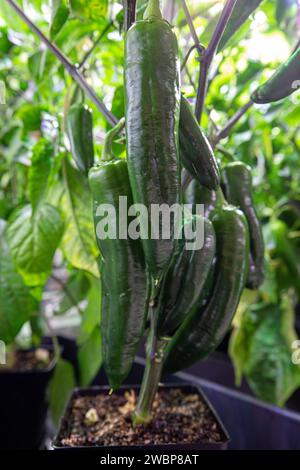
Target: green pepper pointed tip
(153, 10)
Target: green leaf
(34, 238)
(242, 10)
(61, 387)
(89, 9)
(79, 241)
(39, 171)
(261, 349)
(16, 303)
(76, 290)
(59, 15)
(92, 314)
(90, 358)
(31, 116)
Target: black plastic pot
(23, 408)
(188, 388)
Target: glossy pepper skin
(198, 194)
(79, 127)
(185, 279)
(152, 101)
(204, 327)
(284, 82)
(196, 153)
(124, 276)
(237, 181)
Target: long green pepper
(237, 180)
(124, 277)
(152, 86)
(185, 279)
(204, 327)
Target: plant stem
(108, 141)
(150, 383)
(71, 69)
(189, 20)
(154, 364)
(91, 50)
(209, 55)
(129, 13)
(231, 123)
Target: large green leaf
(34, 238)
(39, 171)
(16, 303)
(90, 357)
(242, 10)
(89, 9)
(61, 386)
(59, 15)
(261, 349)
(79, 242)
(92, 314)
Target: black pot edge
(197, 446)
(45, 371)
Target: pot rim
(56, 443)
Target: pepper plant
(78, 42)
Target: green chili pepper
(284, 82)
(184, 281)
(237, 181)
(196, 153)
(197, 194)
(204, 327)
(152, 117)
(123, 273)
(79, 127)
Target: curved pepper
(124, 276)
(284, 82)
(204, 328)
(79, 127)
(184, 281)
(197, 194)
(237, 181)
(196, 153)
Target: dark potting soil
(105, 420)
(26, 361)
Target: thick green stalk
(150, 383)
(110, 136)
(153, 9)
(153, 369)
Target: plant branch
(190, 23)
(231, 123)
(91, 50)
(209, 56)
(67, 292)
(75, 74)
(129, 13)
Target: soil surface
(25, 361)
(104, 420)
